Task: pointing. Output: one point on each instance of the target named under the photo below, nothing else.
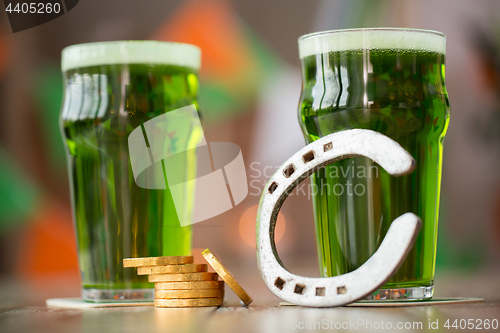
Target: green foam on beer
(376, 38)
(130, 52)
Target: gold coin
(190, 285)
(201, 293)
(183, 277)
(227, 277)
(188, 302)
(172, 269)
(157, 261)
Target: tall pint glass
(111, 89)
(390, 81)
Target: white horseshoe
(355, 285)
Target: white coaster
(79, 303)
(433, 301)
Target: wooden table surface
(22, 309)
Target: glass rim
(337, 31)
(130, 52)
(371, 38)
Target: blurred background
(250, 82)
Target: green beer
(390, 81)
(110, 90)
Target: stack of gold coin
(179, 282)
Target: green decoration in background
(454, 254)
(18, 193)
(48, 92)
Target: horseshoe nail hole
(328, 146)
(279, 283)
(308, 157)
(272, 187)
(299, 288)
(341, 290)
(289, 170)
(320, 291)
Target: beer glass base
(402, 294)
(117, 295)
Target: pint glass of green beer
(390, 81)
(112, 89)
